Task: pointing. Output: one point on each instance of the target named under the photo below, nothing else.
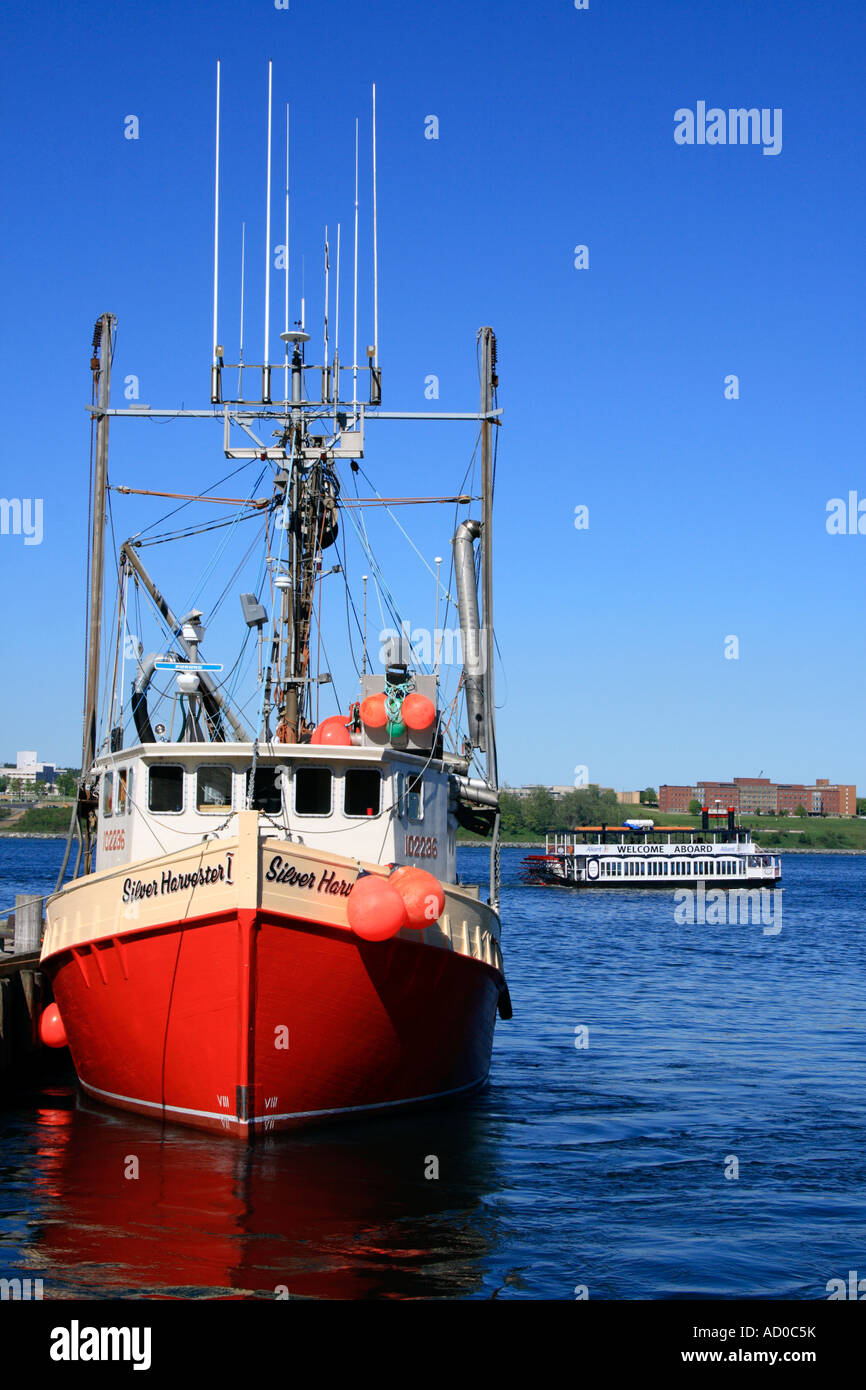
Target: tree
(511, 810)
(649, 797)
(695, 807)
(67, 782)
(540, 811)
(588, 806)
(801, 811)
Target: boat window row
(312, 790)
(214, 790)
(668, 868)
(217, 789)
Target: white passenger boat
(640, 854)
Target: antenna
(364, 652)
(375, 249)
(216, 230)
(241, 353)
(337, 330)
(355, 334)
(266, 371)
(286, 314)
(437, 637)
(326, 392)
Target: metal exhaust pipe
(463, 545)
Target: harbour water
(674, 1112)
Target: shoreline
(478, 844)
(32, 835)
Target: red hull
(249, 1021)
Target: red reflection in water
(150, 1212)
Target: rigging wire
(246, 463)
(384, 503)
(201, 529)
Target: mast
(488, 384)
(103, 350)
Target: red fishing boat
(264, 927)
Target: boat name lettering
(279, 872)
(666, 849)
(134, 889)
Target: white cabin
(379, 805)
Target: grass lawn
(771, 832)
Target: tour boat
(640, 854)
(264, 927)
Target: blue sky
(706, 515)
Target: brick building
(676, 798)
(752, 795)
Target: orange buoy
(373, 712)
(333, 731)
(51, 1029)
(422, 894)
(417, 712)
(374, 909)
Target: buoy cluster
(414, 712)
(377, 908)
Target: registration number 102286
(421, 847)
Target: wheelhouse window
(410, 796)
(266, 793)
(362, 794)
(213, 789)
(165, 788)
(313, 791)
(107, 793)
(123, 790)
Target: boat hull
(250, 1022)
(250, 1019)
(541, 879)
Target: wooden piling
(28, 923)
(25, 991)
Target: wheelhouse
(370, 803)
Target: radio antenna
(286, 313)
(364, 648)
(266, 370)
(337, 330)
(355, 332)
(326, 394)
(375, 248)
(241, 353)
(216, 232)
